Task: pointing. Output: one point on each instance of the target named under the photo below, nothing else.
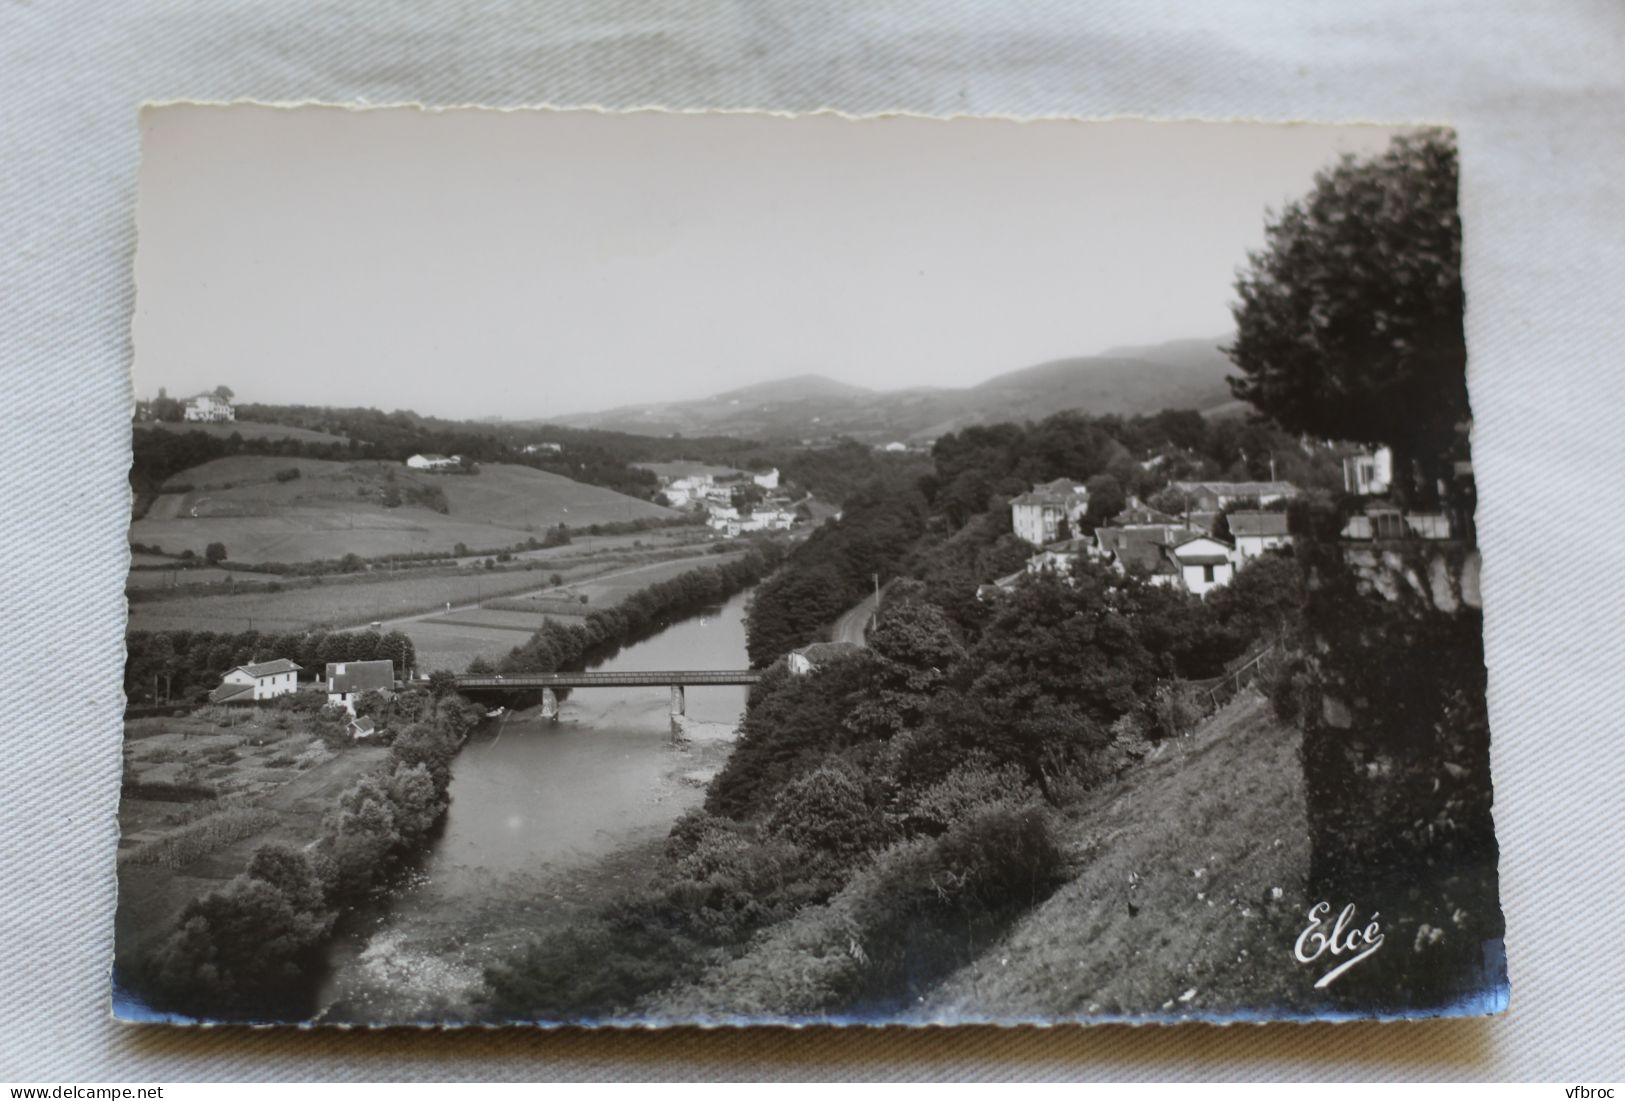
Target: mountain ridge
(1181, 374)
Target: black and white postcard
(649, 568)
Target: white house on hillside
(207, 407)
(346, 680)
(770, 480)
(808, 659)
(1204, 563)
(1369, 473)
(1257, 532)
(261, 681)
(1036, 515)
(434, 462)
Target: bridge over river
(548, 683)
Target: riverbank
(233, 779)
(419, 957)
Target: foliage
(834, 569)
(1349, 323)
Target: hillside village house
(770, 480)
(260, 681)
(809, 659)
(1369, 473)
(346, 680)
(360, 728)
(1257, 532)
(1204, 563)
(207, 407)
(1037, 514)
(434, 462)
(538, 448)
(1216, 496)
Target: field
(202, 791)
(415, 600)
(337, 508)
(451, 641)
(248, 430)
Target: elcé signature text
(1338, 939)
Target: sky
(525, 264)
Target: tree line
(558, 646)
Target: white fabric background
(1538, 92)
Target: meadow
(369, 508)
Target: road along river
(545, 819)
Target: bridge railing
(639, 678)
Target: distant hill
(1183, 374)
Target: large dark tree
(1349, 324)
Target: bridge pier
(679, 703)
(550, 705)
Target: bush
(973, 787)
(1176, 709)
(825, 810)
(288, 474)
(245, 950)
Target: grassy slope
(1209, 827)
(1226, 802)
(336, 508)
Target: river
(544, 819)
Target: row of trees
(251, 949)
(557, 646)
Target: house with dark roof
(809, 659)
(348, 679)
(360, 728)
(258, 681)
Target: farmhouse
(770, 480)
(1257, 532)
(207, 407)
(1214, 496)
(549, 448)
(360, 728)
(809, 659)
(1037, 515)
(348, 679)
(434, 462)
(260, 681)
